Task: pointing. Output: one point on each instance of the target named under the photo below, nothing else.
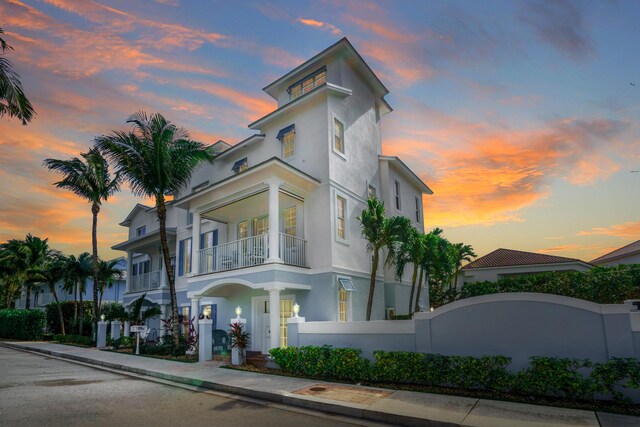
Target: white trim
(374, 327)
(349, 308)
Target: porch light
(431, 309)
(296, 310)
(102, 317)
(238, 311)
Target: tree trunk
(28, 289)
(372, 282)
(81, 317)
(100, 301)
(413, 288)
(74, 328)
(55, 296)
(162, 220)
(95, 209)
(417, 307)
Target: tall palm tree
(156, 158)
(77, 271)
(22, 256)
(51, 272)
(431, 243)
(108, 274)
(89, 178)
(380, 233)
(460, 253)
(12, 269)
(410, 251)
(13, 101)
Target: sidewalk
(369, 403)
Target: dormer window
(141, 231)
(307, 84)
(240, 166)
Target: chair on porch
(220, 339)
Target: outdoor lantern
(296, 310)
(431, 309)
(102, 317)
(238, 311)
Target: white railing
(241, 253)
(293, 250)
(144, 282)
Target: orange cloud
(403, 65)
(320, 25)
(384, 30)
(627, 230)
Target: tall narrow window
(341, 205)
(342, 309)
(290, 221)
(243, 230)
(338, 136)
(397, 194)
(417, 209)
(345, 288)
(184, 257)
(261, 225)
(288, 145)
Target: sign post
(138, 329)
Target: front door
(262, 324)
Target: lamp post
(238, 312)
(296, 310)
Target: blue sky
(521, 115)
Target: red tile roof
(508, 257)
(625, 250)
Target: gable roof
(407, 172)
(509, 257)
(629, 249)
(134, 211)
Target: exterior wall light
(431, 309)
(296, 310)
(238, 311)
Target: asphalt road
(36, 390)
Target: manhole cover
(318, 389)
(344, 393)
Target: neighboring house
(629, 254)
(503, 263)
(41, 296)
(274, 221)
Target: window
(341, 205)
(243, 230)
(417, 209)
(397, 193)
(338, 136)
(189, 218)
(288, 145)
(184, 257)
(371, 192)
(307, 84)
(209, 239)
(141, 231)
(240, 166)
(290, 221)
(260, 225)
(345, 287)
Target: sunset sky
(522, 116)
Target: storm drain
(342, 393)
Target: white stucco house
(629, 254)
(503, 263)
(273, 221)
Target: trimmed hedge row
(53, 318)
(21, 324)
(546, 376)
(74, 339)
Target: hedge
(74, 339)
(21, 324)
(53, 318)
(573, 379)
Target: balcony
(145, 282)
(250, 252)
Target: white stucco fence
(517, 325)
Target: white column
(195, 312)
(274, 221)
(274, 317)
(204, 340)
(129, 268)
(195, 245)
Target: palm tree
(89, 178)
(410, 251)
(108, 274)
(50, 273)
(459, 253)
(156, 158)
(137, 316)
(12, 269)
(380, 232)
(13, 101)
(77, 271)
(431, 243)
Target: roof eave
(396, 160)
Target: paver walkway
(394, 407)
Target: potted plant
(239, 343)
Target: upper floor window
(396, 193)
(290, 221)
(341, 207)
(240, 166)
(371, 192)
(184, 257)
(338, 136)
(243, 230)
(287, 137)
(417, 209)
(307, 84)
(141, 231)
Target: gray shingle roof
(508, 257)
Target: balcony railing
(250, 252)
(293, 250)
(144, 282)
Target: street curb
(365, 414)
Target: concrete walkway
(369, 403)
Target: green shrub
(549, 376)
(124, 342)
(616, 374)
(74, 339)
(113, 311)
(21, 324)
(347, 364)
(53, 318)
